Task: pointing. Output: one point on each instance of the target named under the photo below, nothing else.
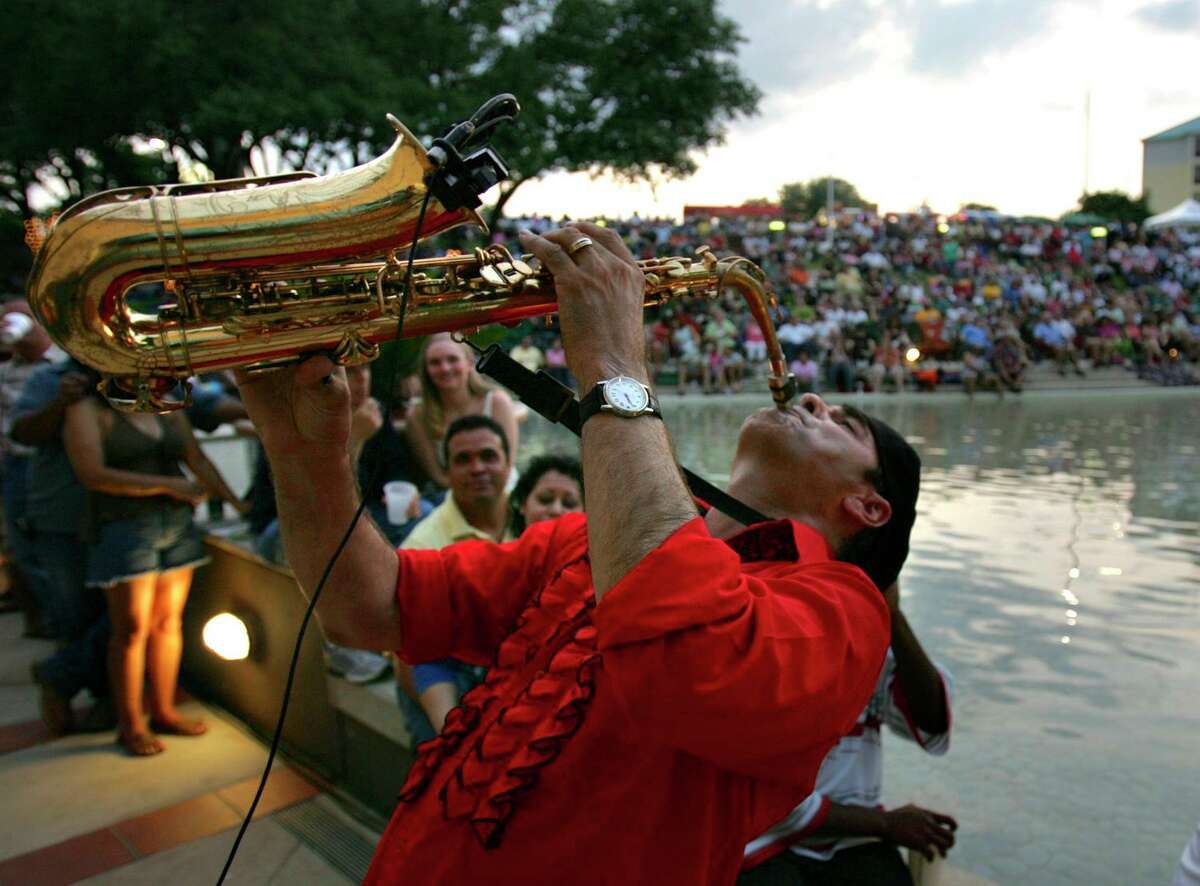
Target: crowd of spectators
(879, 302)
(873, 302)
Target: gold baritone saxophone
(152, 285)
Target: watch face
(626, 395)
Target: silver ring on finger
(581, 243)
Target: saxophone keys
(505, 275)
(492, 276)
(354, 350)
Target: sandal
(179, 726)
(140, 744)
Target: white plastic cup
(399, 495)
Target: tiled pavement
(77, 809)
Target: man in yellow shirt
(528, 354)
(475, 452)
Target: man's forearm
(316, 503)
(920, 680)
(853, 821)
(636, 495)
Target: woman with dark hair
(550, 486)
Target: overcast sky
(938, 101)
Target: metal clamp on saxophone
(153, 285)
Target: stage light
(912, 355)
(1099, 232)
(776, 225)
(227, 636)
(943, 228)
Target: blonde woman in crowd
(450, 389)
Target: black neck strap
(553, 400)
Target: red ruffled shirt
(641, 740)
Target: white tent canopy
(1186, 213)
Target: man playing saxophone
(663, 686)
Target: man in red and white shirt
(841, 833)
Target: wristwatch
(622, 395)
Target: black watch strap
(593, 401)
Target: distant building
(765, 210)
(1171, 166)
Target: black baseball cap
(881, 551)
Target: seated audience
(478, 462)
(806, 370)
(450, 389)
(556, 363)
(528, 355)
(1009, 360)
(550, 486)
(976, 371)
(841, 833)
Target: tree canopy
(631, 86)
(806, 199)
(1115, 206)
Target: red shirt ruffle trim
(554, 643)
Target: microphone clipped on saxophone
(152, 285)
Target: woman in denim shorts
(142, 550)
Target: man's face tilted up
(846, 474)
(476, 467)
(810, 456)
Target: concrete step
(1045, 376)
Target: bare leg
(164, 649)
(875, 375)
(130, 604)
(720, 382)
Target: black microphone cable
(376, 473)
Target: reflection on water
(1055, 569)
